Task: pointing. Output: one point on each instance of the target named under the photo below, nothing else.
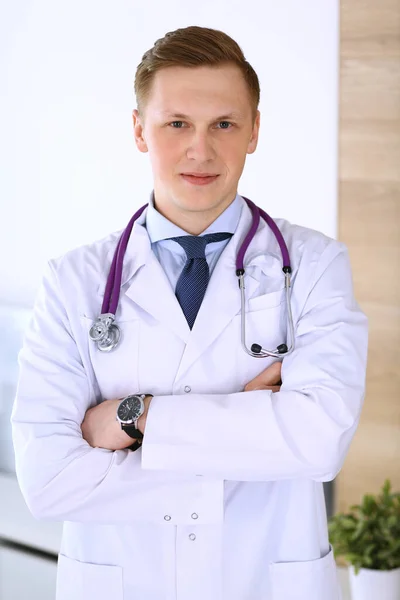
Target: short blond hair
(193, 47)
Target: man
(221, 497)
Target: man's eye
(225, 123)
(178, 124)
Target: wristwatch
(128, 412)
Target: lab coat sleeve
(306, 428)
(60, 475)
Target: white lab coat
(225, 499)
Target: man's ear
(138, 132)
(254, 134)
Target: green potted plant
(368, 538)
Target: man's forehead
(180, 91)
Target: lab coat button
(167, 518)
(195, 516)
(192, 536)
(187, 389)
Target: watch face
(129, 409)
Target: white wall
(70, 171)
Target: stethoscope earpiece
(256, 348)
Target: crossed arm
(302, 430)
(101, 429)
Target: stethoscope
(106, 333)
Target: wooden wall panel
(369, 224)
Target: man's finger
(270, 376)
(273, 388)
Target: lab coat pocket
(306, 580)
(116, 372)
(266, 300)
(87, 581)
(265, 325)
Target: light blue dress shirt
(170, 254)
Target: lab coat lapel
(222, 298)
(150, 287)
(152, 291)
(147, 284)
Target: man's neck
(193, 222)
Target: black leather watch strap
(134, 446)
(134, 433)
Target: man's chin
(198, 204)
(206, 197)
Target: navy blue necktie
(193, 280)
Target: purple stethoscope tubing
(113, 287)
(106, 333)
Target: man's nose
(200, 148)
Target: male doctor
(215, 489)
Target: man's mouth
(199, 178)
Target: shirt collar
(160, 228)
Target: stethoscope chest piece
(105, 332)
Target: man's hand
(267, 379)
(101, 429)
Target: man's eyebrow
(232, 115)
